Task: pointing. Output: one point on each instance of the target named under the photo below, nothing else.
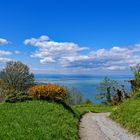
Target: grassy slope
(41, 120)
(91, 107)
(128, 115)
(37, 120)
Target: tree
(16, 77)
(105, 89)
(135, 83)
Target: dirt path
(97, 126)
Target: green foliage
(105, 84)
(37, 120)
(73, 96)
(16, 76)
(100, 96)
(136, 72)
(135, 83)
(87, 101)
(105, 89)
(128, 115)
(108, 95)
(17, 96)
(137, 95)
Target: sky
(71, 36)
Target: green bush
(137, 95)
(87, 101)
(17, 96)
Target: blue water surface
(86, 84)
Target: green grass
(83, 108)
(42, 120)
(37, 120)
(128, 115)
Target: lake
(86, 84)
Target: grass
(45, 120)
(128, 115)
(42, 120)
(37, 120)
(83, 108)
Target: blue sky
(71, 36)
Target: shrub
(17, 96)
(47, 91)
(87, 101)
(137, 95)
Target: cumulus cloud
(50, 51)
(35, 41)
(110, 59)
(3, 41)
(70, 55)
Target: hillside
(37, 120)
(43, 119)
(128, 115)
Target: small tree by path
(105, 89)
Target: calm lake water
(86, 84)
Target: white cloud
(17, 52)
(4, 59)
(50, 51)
(3, 41)
(4, 53)
(35, 41)
(70, 55)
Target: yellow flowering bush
(47, 91)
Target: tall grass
(128, 115)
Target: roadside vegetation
(50, 111)
(111, 93)
(128, 115)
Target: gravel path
(97, 126)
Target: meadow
(37, 120)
